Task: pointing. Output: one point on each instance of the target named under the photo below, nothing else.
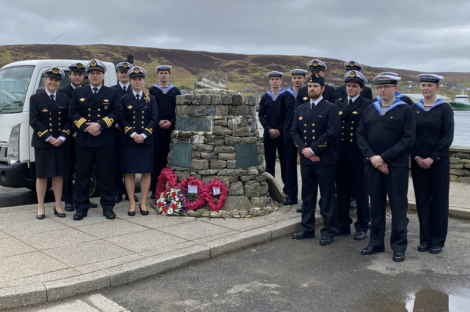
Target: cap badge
(124, 65)
(352, 74)
(55, 70)
(136, 70)
(352, 64)
(79, 65)
(93, 63)
(315, 63)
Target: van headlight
(13, 152)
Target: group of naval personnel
(356, 149)
(78, 126)
(353, 148)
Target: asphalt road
(287, 275)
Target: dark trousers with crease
(431, 188)
(291, 182)
(350, 180)
(395, 184)
(270, 146)
(314, 176)
(67, 188)
(105, 162)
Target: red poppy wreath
(166, 176)
(211, 190)
(201, 188)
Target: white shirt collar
(353, 99)
(122, 86)
(73, 86)
(96, 87)
(316, 101)
(49, 94)
(135, 93)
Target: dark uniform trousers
(395, 184)
(104, 108)
(291, 154)
(317, 129)
(431, 188)
(270, 146)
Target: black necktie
(52, 97)
(124, 88)
(137, 96)
(350, 102)
(95, 90)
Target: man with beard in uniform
(316, 66)
(315, 131)
(94, 110)
(76, 77)
(287, 114)
(386, 135)
(123, 87)
(341, 93)
(350, 165)
(165, 93)
(398, 94)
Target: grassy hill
(244, 71)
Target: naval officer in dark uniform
(165, 94)
(315, 131)
(270, 118)
(350, 166)
(139, 119)
(341, 93)
(94, 110)
(287, 114)
(123, 87)
(316, 66)
(76, 77)
(48, 118)
(386, 135)
(430, 167)
(398, 94)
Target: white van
(18, 81)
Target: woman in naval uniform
(431, 167)
(139, 119)
(48, 116)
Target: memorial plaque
(181, 156)
(246, 155)
(193, 124)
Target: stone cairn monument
(216, 137)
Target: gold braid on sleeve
(40, 134)
(109, 121)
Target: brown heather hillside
(244, 71)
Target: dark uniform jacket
(328, 95)
(434, 131)
(121, 92)
(166, 102)
(270, 112)
(350, 116)
(341, 93)
(318, 129)
(104, 108)
(138, 117)
(68, 90)
(288, 107)
(49, 118)
(390, 136)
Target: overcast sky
(427, 36)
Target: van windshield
(14, 82)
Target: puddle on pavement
(431, 300)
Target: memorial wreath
(167, 176)
(200, 191)
(216, 187)
(171, 202)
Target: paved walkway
(57, 258)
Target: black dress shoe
(326, 240)
(93, 205)
(131, 213)
(118, 199)
(69, 207)
(423, 247)
(435, 250)
(360, 236)
(398, 256)
(369, 250)
(290, 201)
(41, 216)
(109, 215)
(60, 215)
(79, 216)
(303, 235)
(300, 209)
(136, 199)
(152, 196)
(143, 212)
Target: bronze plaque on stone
(181, 156)
(246, 155)
(193, 124)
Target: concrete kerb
(14, 297)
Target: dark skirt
(137, 158)
(52, 162)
